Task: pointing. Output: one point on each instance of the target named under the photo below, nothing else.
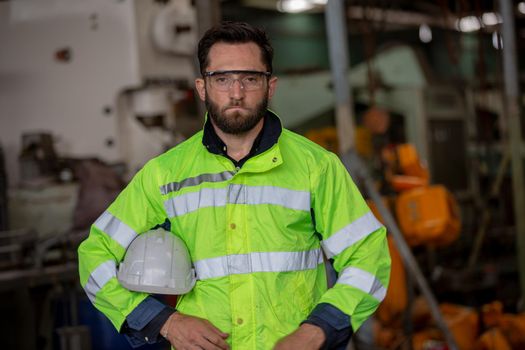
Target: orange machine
(493, 339)
(510, 327)
(325, 137)
(406, 169)
(489, 329)
(428, 215)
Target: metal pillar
(3, 193)
(511, 75)
(337, 43)
(208, 15)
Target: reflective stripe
(116, 229)
(195, 181)
(99, 277)
(299, 200)
(350, 234)
(237, 194)
(258, 262)
(186, 203)
(364, 281)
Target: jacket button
(274, 159)
(233, 226)
(240, 321)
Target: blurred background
(432, 104)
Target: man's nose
(236, 89)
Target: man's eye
(221, 80)
(250, 79)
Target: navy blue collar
(267, 137)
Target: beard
(236, 123)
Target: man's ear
(201, 88)
(272, 85)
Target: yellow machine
(411, 173)
(326, 137)
(428, 215)
(485, 329)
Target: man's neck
(239, 146)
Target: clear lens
(249, 81)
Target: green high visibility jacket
(256, 236)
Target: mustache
(235, 103)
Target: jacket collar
(267, 137)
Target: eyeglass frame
(215, 72)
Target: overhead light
(425, 33)
(319, 2)
(468, 24)
(521, 7)
(497, 41)
(491, 18)
(294, 6)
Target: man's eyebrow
(237, 71)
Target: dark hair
(234, 33)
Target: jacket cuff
(143, 324)
(334, 323)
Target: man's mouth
(234, 108)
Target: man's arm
(152, 318)
(356, 242)
(137, 209)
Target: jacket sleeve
(143, 324)
(137, 209)
(353, 238)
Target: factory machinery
(89, 91)
(121, 73)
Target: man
(254, 203)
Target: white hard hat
(157, 262)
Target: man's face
(236, 110)
(235, 121)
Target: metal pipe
(339, 60)
(511, 75)
(208, 15)
(486, 215)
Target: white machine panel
(65, 65)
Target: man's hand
(186, 332)
(306, 337)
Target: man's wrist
(143, 324)
(165, 329)
(334, 323)
(315, 334)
